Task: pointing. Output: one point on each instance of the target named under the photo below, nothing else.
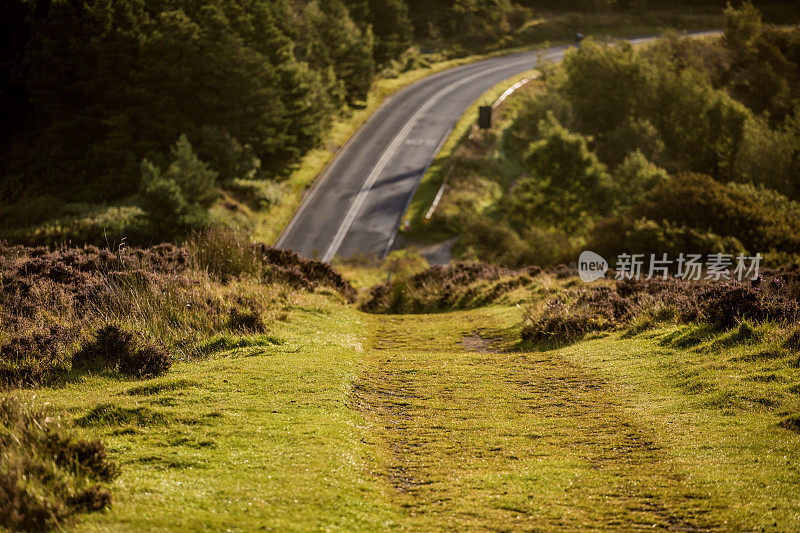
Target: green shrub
(178, 197)
(259, 194)
(635, 177)
(47, 474)
(769, 157)
(631, 136)
(614, 76)
(614, 236)
(699, 202)
(496, 242)
(568, 185)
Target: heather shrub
(246, 315)
(47, 474)
(145, 362)
(117, 349)
(175, 295)
(304, 274)
(560, 321)
(724, 304)
(455, 286)
(227, 254)
(636, 305)
(31, 358)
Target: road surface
(355, 206)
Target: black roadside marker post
(485, 117)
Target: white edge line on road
(396, 229)
(393, 236)
(341, 151)
(390, 151)
(557, 54)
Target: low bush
(246, 316)
(30, 358)
(695, 212)
(47, 474)
(174, 295)
(560, 321)
(116, 349)
(639, 304)
(227, 254)
(456, 286)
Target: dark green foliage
(568, 184)
(497, 242)
(765, 63)
(106, 84)
(618, 235)
(670, 149)
(699, 202)
(178, 197)
(613, 76)
(114, 348)
(47, 474)
(330, 37)
(617, 93)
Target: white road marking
(391, 150)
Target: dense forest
(688, 144)
(155, 104)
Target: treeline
(690, 145)
(155, 104)
(91, 88)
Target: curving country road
(356, 204)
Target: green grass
(345, 421)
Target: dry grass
(61, 302)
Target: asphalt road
(355, 206)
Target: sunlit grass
(344, 421)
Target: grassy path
(489, 441)
(343, 421)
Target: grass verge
(430, 423)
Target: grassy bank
(356, 422)
(292, 409)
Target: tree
(568, 185)
(606, 85)
(179, 197)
